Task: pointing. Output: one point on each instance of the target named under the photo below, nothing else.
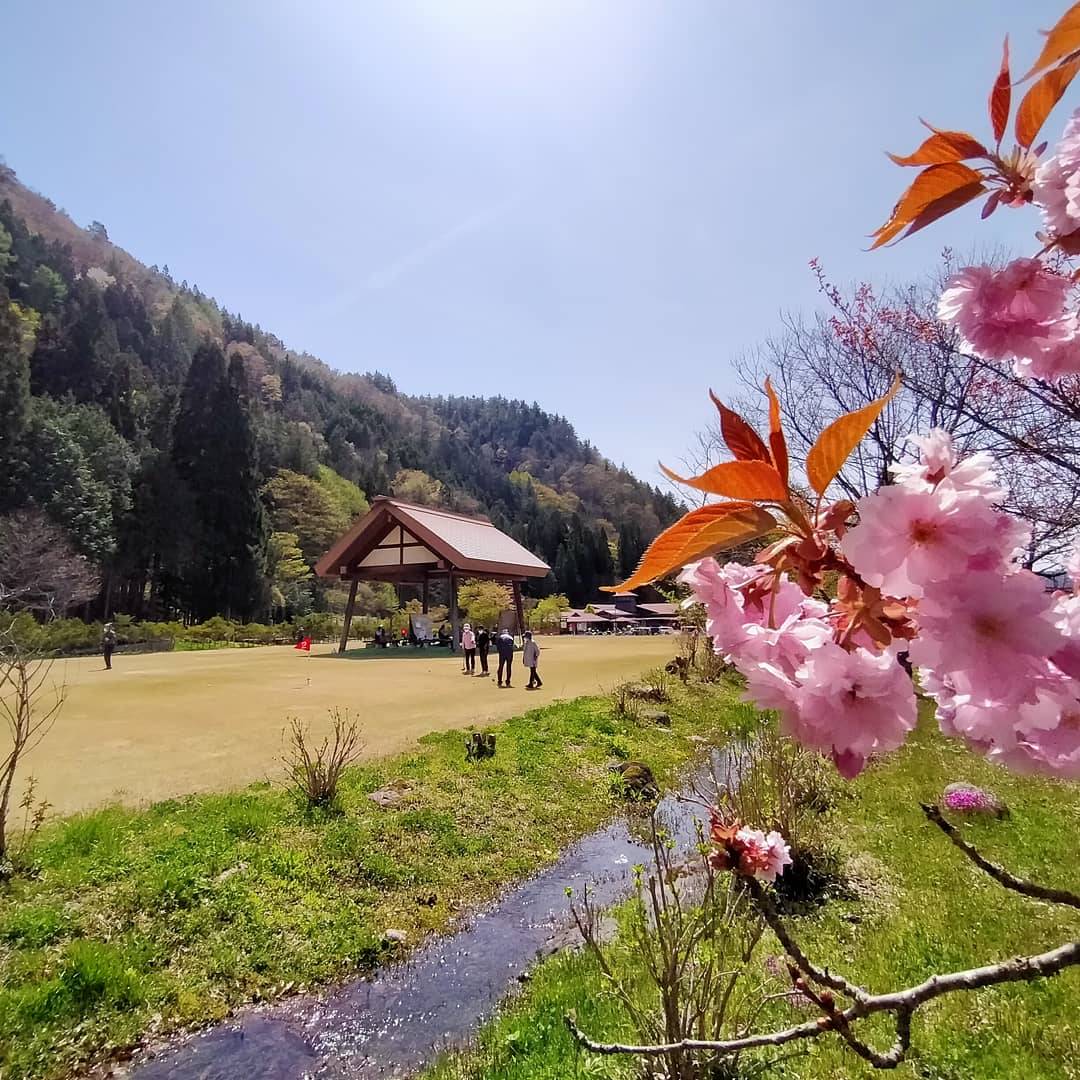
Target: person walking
(504, 646)
(468, 646)
(530, 657)
(108, 643)
(483, 644)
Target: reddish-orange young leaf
(1001, 96)
(931, 184)
(742, 440)
(945, 205)
(1061, 41)
(701, 532)
(737, 480)
(835, 443)
(1040, 100)
(943, 147)
(777, 442)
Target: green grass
(138, 920)
(922, 908)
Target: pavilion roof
(396, 540)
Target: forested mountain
(198, 466)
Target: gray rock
(661, 719)
(391, 795)
(395, 937)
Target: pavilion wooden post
(453, 612)
(424, 595)
(348, 615)
(519, 608)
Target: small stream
(397, 1020)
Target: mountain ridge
(111, 334)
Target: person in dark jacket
(504, 646)
(483, 644)
(108, 643)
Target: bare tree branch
(39, 569)
(999, 873)
(901, 1004)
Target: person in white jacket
(468, 646)
(530, 657)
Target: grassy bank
(921, 908)
(143, 920)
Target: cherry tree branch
(999, 873)
(901, 1004)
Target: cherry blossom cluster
(1023, 312)
(930, 570)
(747, 851)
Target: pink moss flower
(970, 799)
(851, 705)
(996, 632)
(1005, 313)
(1056, 187)
(907, 539)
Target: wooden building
(405, 544)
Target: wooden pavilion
(405, 544)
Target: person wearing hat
(468, 646)
(530, 657)
(108, 643)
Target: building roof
(399, 541)
(660, 609)
(583, 617)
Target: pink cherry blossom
(994, 631)
(1057, 182)
(938, 462)
(771, 688)
(1067, 621)
(1052, 360)
(787, 645)
(1072, 568)
(852, 704)
(1049, 739)
(763, 856)
(1005, 313)
(907, 539)
(712, 587)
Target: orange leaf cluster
(759, 475)
(835, 444)
(701, 532)
(945, 184)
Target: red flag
(304, 645)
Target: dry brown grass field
(166, 724)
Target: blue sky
(593, 205)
